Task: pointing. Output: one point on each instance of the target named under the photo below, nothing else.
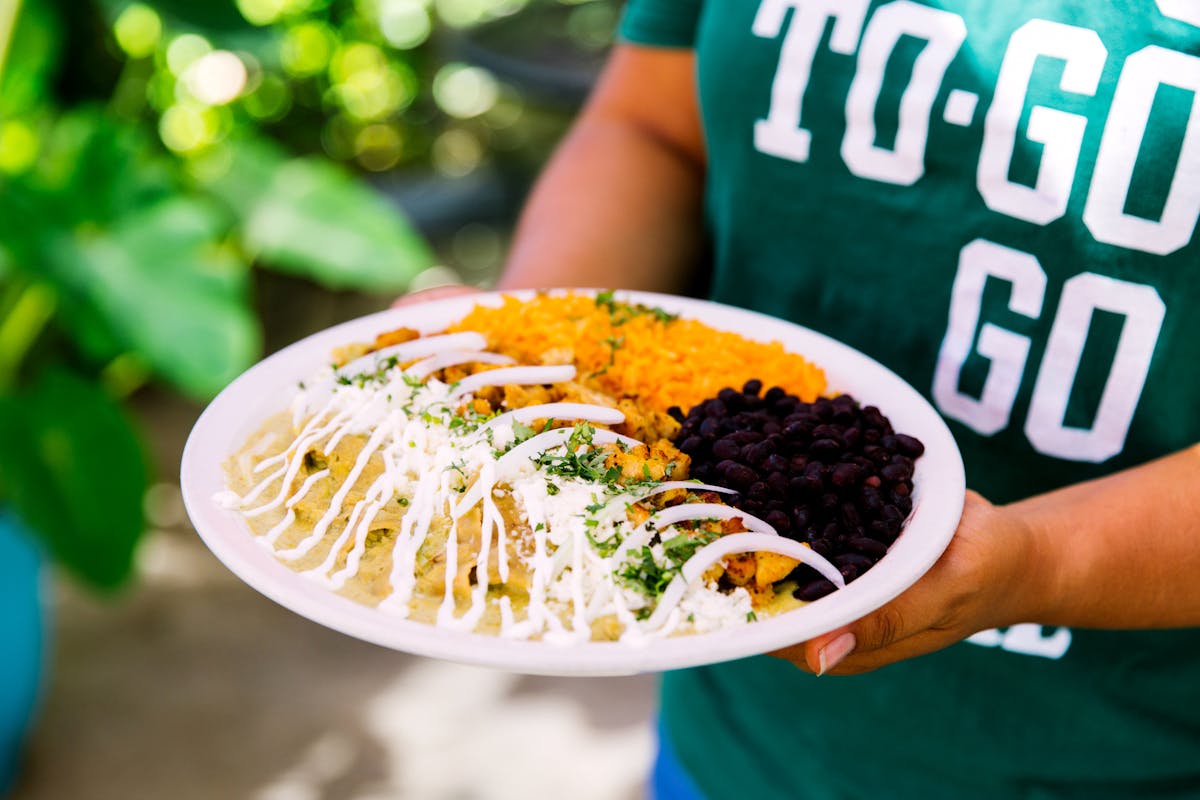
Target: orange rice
(626, 351)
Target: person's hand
(985, 579)
(433, 293)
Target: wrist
(1039, 587)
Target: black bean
(777, 482)
(725, 448)
(752, 386)
(773, 394)
(826, 431)
(676, 413)
(715, 408)
(709, 427)
(775, 463)
(851, 437)
(845, 475)
(740, 476)
(880, 531)
(868, 546)
(691, 445)
(870, 501)
(797, 431)
(895, 472)
(779, 521)
(815, 590)
(732, 398)
(758, 452)
(746, 437)
(909, 445)
(784, 406)
(825, 449)
(723, 467)
(880, 455)
(853, 559)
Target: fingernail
(835, 652)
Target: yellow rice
(663, 362)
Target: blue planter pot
(22, 641)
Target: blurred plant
(152, 153)
(126, 256)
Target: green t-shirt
(998, 200)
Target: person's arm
(1120, 552)
(619, 204)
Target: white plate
(266, 388)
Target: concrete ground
(191, 686)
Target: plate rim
(225, 533)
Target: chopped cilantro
(551, 489)
(646, 574)
(619, 313)
(587, 465)
(681, 547)
(377, 376)
(614, 343)
(605, 547)
(750, 616)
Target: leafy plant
(136, 197)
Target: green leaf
(94, 169)
(139, 267)
(308, 217)
(166, 290)
(72, 468)
(31, 59)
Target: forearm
(619, 205)
(1122, 551)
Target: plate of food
(574, 482)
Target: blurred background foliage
(156, 156)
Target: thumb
(875, 631)
(434, 293)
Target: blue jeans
(669, 780)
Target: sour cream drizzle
(439, 461)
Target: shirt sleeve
(661, 23)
